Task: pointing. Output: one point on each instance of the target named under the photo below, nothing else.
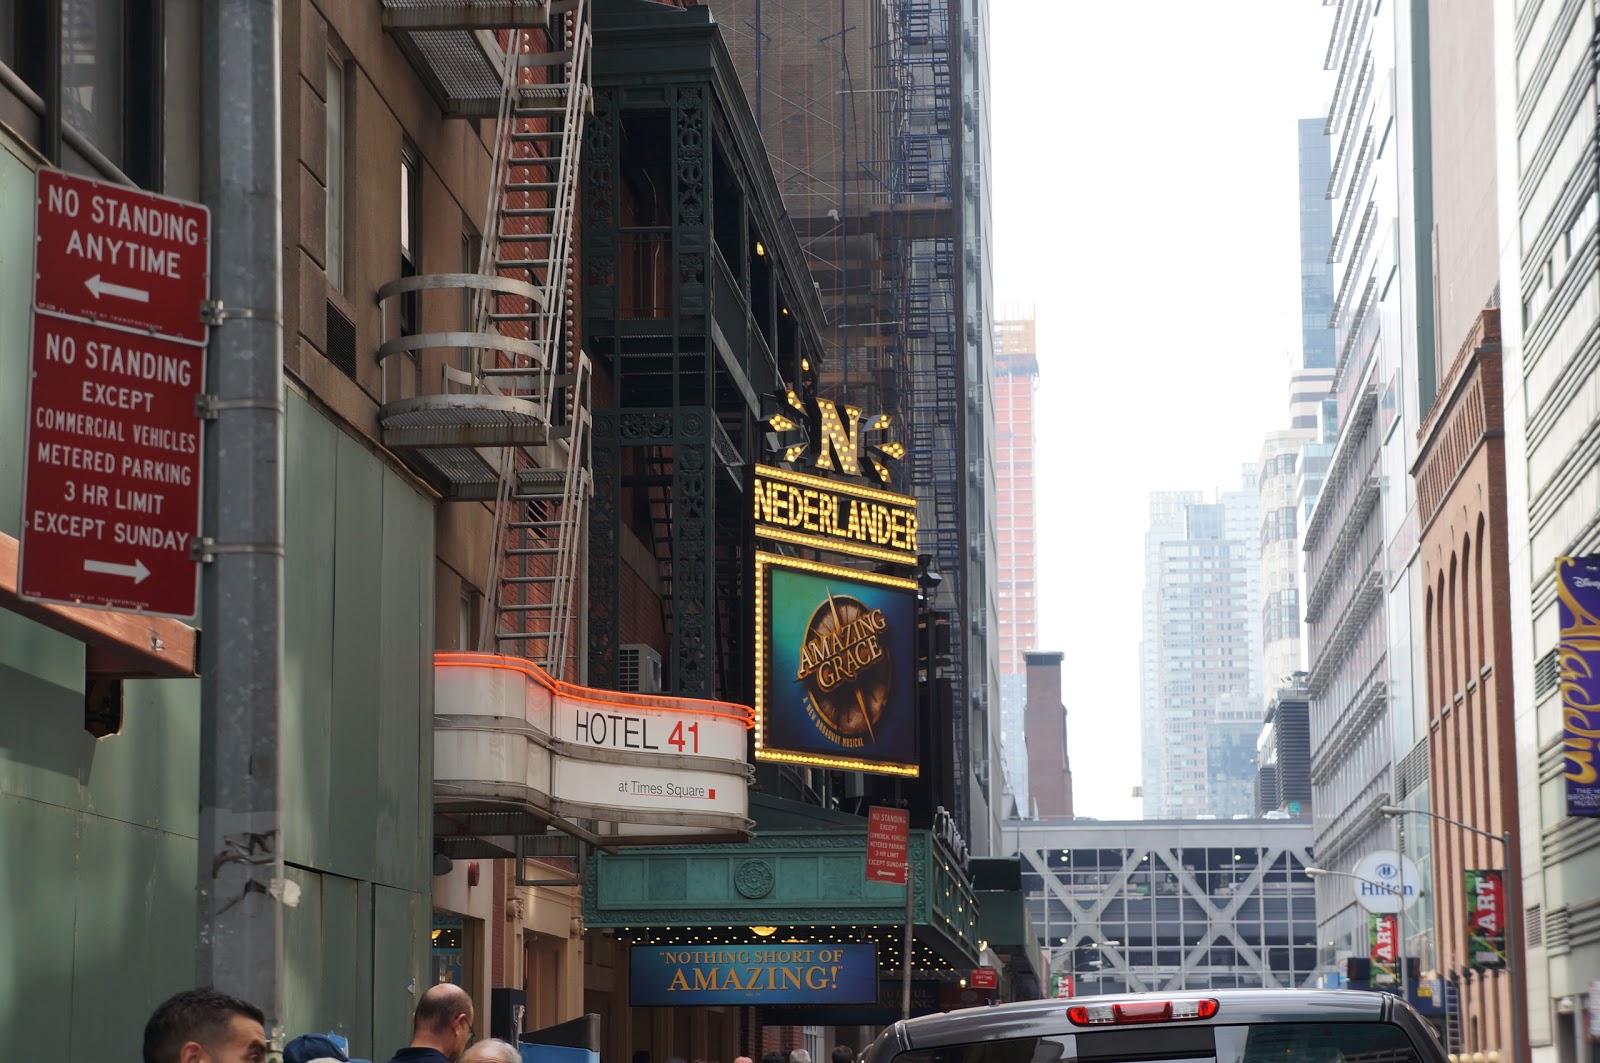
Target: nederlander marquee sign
(835, 646)
(795, 507)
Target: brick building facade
(1461, 487)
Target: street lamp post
(1399, 891)
(1514, 909)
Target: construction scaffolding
(855, 103)
(820, 83)
(926, 287)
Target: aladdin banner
(836, 660)
(1486, 928)
(1385, 948)
(1578, 601)
(703, 975)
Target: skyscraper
(1360, 541)
(1549, 314)
(1016, 376)
(1280, 489)
(1200, 655)
(887, 183)
(1316, 236)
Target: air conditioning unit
(638, 669)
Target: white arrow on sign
(99, 287)
(136, 571)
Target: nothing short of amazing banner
(701, 975)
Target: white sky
(1145, 203)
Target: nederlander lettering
(835, 515)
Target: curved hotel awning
(517, 751)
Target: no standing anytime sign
(111, 496)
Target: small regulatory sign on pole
(111, 477)
(887, 832)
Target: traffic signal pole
(240, 884)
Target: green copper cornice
(785, 879)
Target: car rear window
(1276, 1042)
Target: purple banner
(1578, 593)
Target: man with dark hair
(843, 1054)
(441, 1026)
(205, 1026)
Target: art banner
(1385, 948)
(1578, 655)
(1486, 914)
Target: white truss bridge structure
(1171, 904)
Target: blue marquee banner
(699, 975)
(1578, 601)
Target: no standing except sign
(111, 494)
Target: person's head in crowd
(205, 1026)
(492, 1050)
(443, 1020)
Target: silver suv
(1217, 1026)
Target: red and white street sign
(888, 834)
(111, 489)
(984, 978)
(121, 257)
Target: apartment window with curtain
(336, 125)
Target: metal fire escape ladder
(542, 491)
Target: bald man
(441, 1026)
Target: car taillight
(1136, 1011)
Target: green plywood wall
(97, 839)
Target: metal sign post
(241, 886)
(905, 972)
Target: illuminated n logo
(839, 439)
(831, 437)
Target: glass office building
(1316, 236)
(1166, 905)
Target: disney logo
(1585, 581)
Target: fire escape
(508, 422)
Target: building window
(410, 234)
(471, 252)
(336, 124)
(111, 73)
(93, 67)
